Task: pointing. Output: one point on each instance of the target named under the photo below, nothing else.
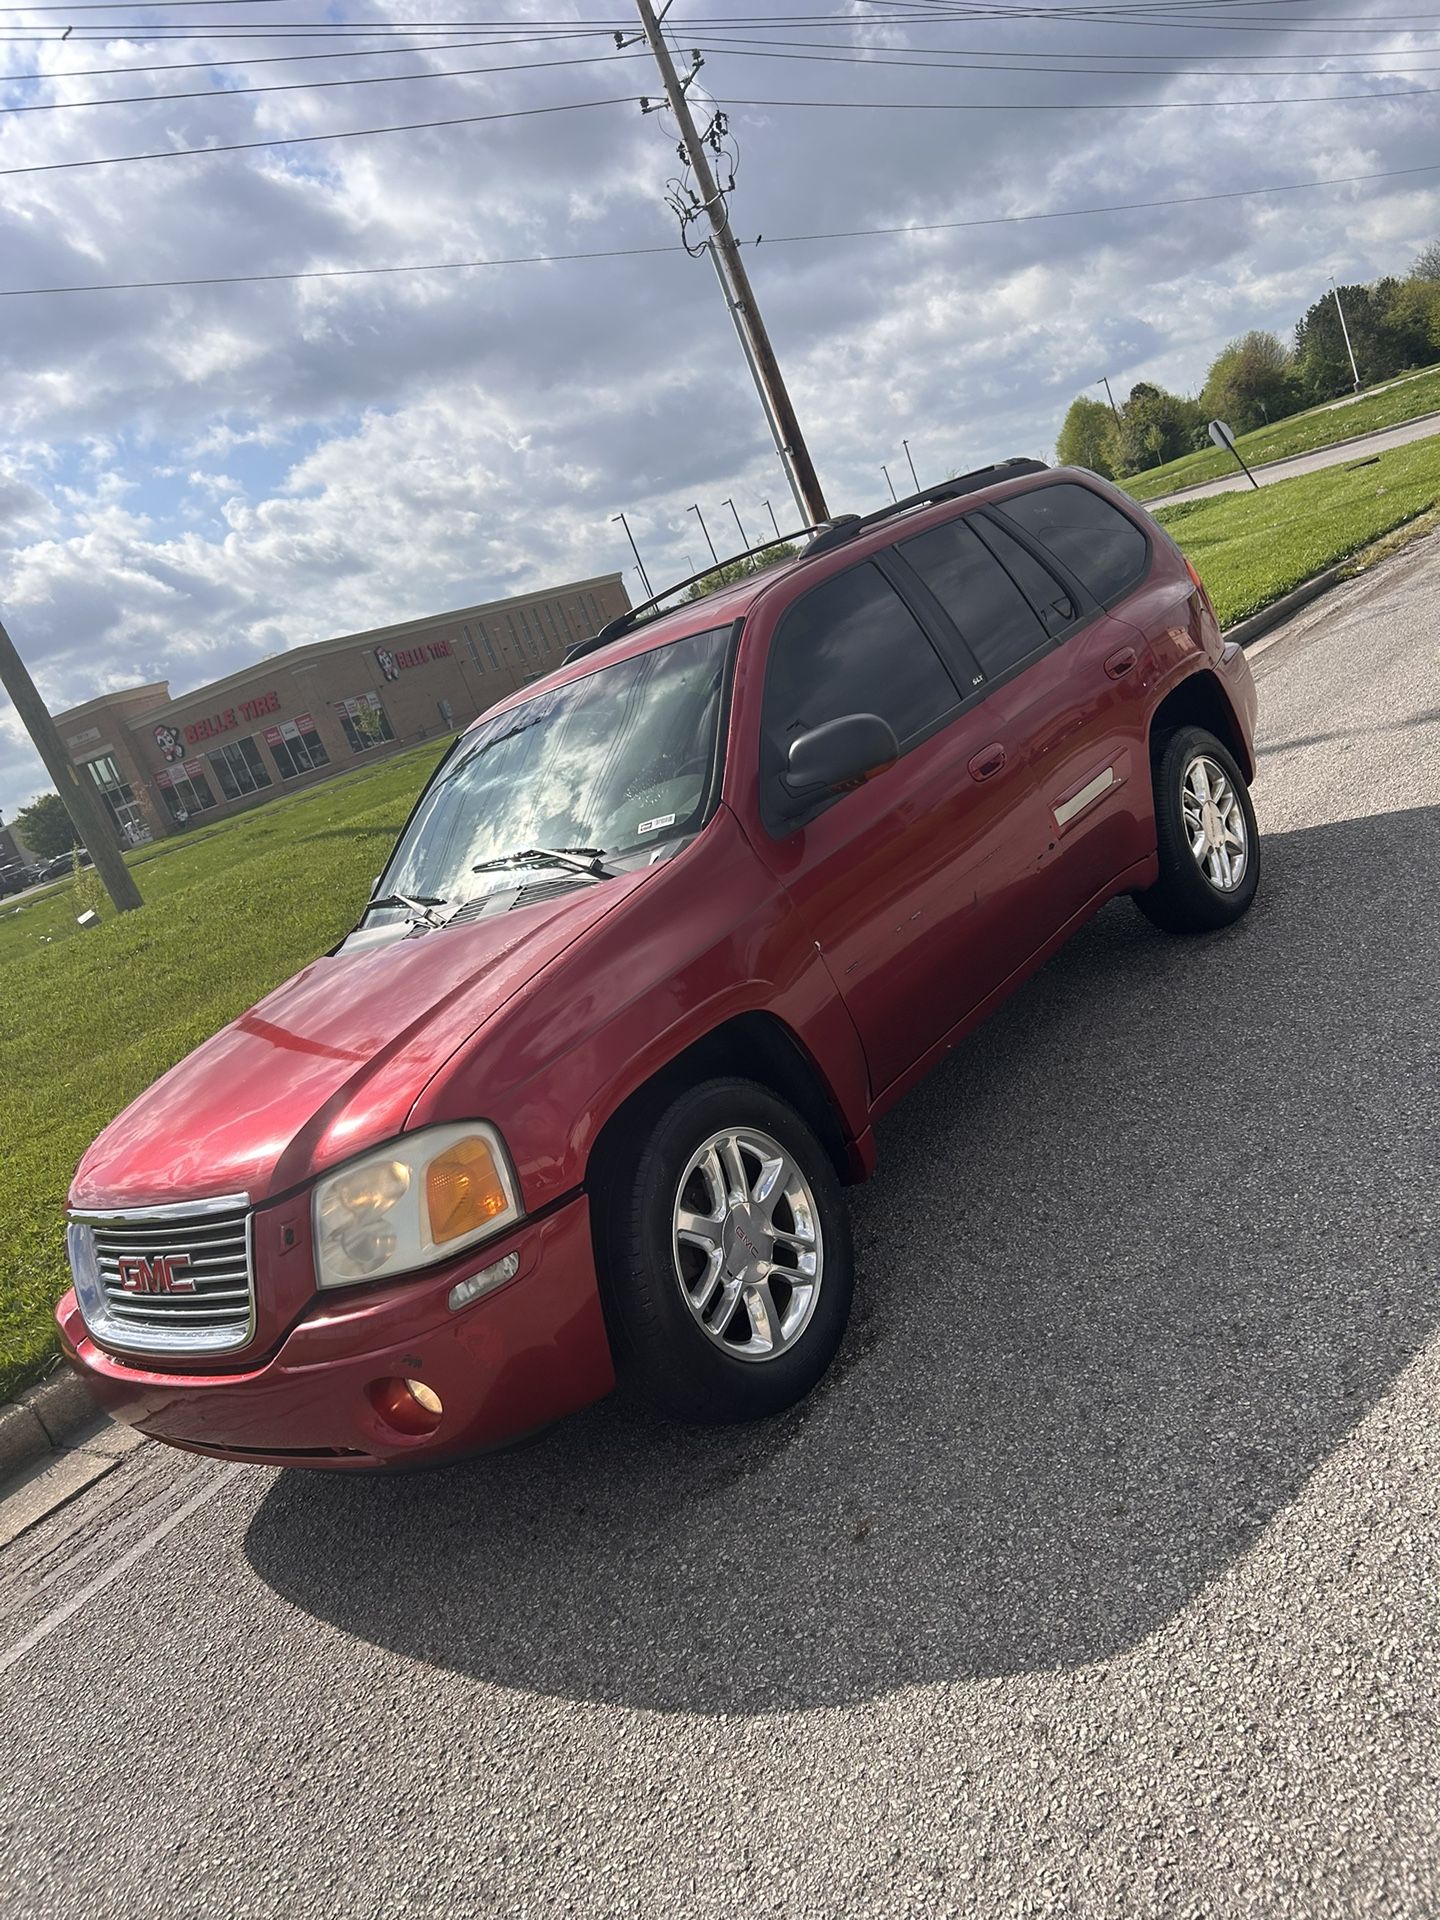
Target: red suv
(662, 938)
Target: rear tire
(1206, 837)
(727, 1261)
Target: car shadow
(1137, 1259)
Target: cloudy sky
(193, 478)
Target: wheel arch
(1200, 700)
(751, 1046)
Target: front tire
(727, 1257)
(1206, 837)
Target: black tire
(1184, 899)
(661, 1346)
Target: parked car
(664, 935)
(15, 880)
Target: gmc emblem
(161, 1274)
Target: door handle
(1120, 662)
(988, 761)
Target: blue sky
(192, 478)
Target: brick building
(12, 854)
(163, 763)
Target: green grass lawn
(1301, 433)
(89, 1019)
(1252, 547)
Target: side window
(1039, 586)
(1101, 547)
(852, 646)
(993, 615)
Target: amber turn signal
(464, 1190)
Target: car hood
(330, 1063)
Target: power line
(310, 139)
(999, 64)
(307, 86)
(283, 59)
(773, 240)
(1069, 106)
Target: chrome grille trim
(216, 1238)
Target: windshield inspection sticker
(654, 826)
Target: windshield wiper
(416, 907)
(587, 860)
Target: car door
(907, 883)
(1090, 754)
(1076, 679)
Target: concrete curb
(1244, 631)
(1264, 466)
(45, 1419)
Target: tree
(1322, 363)
(1410, 318)
(1427, 263)
(1249, 382)
(45, 827)
(1085, 438)
(1156, 426)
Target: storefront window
(364, 721)
(185, 790)
(119, 800)
(296, 746)
(239, 768)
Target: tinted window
(1085, 533)
(996, 619)
(1039, 586)
(853, 646)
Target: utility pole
(1355, 371)
(640, 564)
(706, 531)
(889, 483)
(913, 475)
(773, 521)
(789, 439)
(1104, 381)
(78, 791)
(744, 537)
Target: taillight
(1196, 581)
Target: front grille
(166, 1279)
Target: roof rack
(823, 538)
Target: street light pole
(889, 483)
(1355, 371)
(80, 795)
(639, 563)
(706, 531)
(744, 537)
(1104, 381)
(773, 521)
(910, 457)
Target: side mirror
(841, 753)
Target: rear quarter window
(1104, 549)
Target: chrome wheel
(747, 1244)
(1215, 824)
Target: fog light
(464, 1291)
(410, 1406)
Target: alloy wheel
(1215, 823)
(748, 1251)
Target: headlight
(418, 1200)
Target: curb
(45, 1419)
(1244, 631)
(1264, 466)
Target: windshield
(617, 761)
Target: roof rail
(649, 609)
(822, 539)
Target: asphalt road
(1100, 1579)
(1363, 449)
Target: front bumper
(507, 1365)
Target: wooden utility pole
(741, 295)
(78, 792)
